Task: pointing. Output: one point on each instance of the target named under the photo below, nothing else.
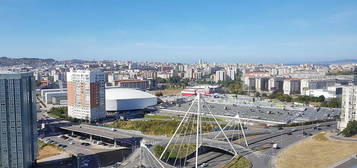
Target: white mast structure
(199, 139)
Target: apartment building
(86, 94)
(349, 106)
(220, 76)
(291, 86)
(137, 84)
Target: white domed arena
(121, 99)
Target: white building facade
(349, 106)
(86, 95)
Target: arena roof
(126, 93)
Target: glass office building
(18, 126)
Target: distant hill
(339, 61)
(5, 61)
(342, 61)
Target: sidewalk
(340, 138)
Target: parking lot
(285, 115)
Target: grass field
(161, 127)
(239, 162)
(175, 150)
(167, 117)
(316, 152)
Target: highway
(258, 158)
(264, 158)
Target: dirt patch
(320, 137)
(316, 152)
(48, 151)
(171, 92)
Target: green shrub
(351, 129)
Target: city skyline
(249, 32)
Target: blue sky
(265, 31)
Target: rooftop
(126, 93)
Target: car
(61, 145)
(280, 128)
(204, 164)
(85, 144)
(304, 133)
(275, 146)
(289, 133)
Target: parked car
(85, 144)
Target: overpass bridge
(103, 133)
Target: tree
(233, 86)
(351, 129)
(321, 98)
